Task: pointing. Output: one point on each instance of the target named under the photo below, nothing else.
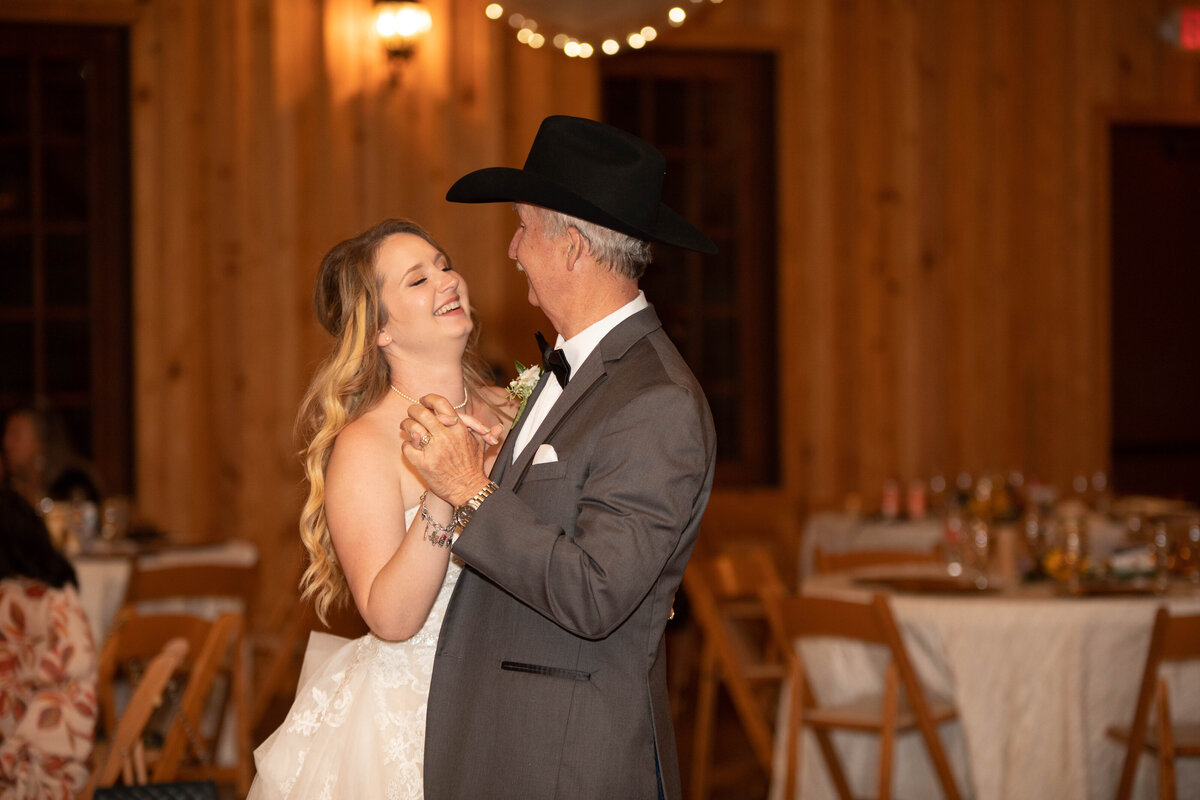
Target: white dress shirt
(576, 349)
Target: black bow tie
(554, 360)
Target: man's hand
(447, 448)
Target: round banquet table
(1037, 679)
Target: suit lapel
(589, 375)
(500, 467)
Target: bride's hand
(490, 435)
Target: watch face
(463, 515)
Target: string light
(573, 47)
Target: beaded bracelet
(439, 535)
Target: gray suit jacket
(550, 677)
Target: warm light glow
(494, 11)
(610, 47)
(524, 35)
(407, 21)
(636, 41)
(400, 24)
(536, 41)
(561, 40)
(572, 49)
(516, 21)
(676, 16)
(649, 34)
(585, 50)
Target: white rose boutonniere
(520, 388)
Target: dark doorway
(712, 115)
(1156, 309)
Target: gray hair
(623, 254)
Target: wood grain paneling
(943, 290)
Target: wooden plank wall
(942, 233)
(943, 282)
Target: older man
(550, 678)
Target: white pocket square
(545, 455)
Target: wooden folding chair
(825, 562)
(738, 652)
(795, 618)
(224, 587)
(186, 752)
(123, 754)
(1173, 639)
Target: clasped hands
(447, 448)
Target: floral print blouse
(47, 690)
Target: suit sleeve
(644, 477)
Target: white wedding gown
(357, 726)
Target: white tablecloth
(1037, 680)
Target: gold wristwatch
(463, 514)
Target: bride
(402, 326)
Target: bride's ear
(383, 339)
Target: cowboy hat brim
(505, 184)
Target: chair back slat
(1181, 638)
(803, 617)
(826, 562)
(194, 581)
(747, 575)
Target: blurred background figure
(39, 460)
(47, 662)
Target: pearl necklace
(414, 401)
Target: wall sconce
(400, 25)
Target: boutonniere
(522, 386)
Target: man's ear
(577, 246)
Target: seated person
(48, 703)
(39, 461)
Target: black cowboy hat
(592, 171)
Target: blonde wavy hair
(348, 382)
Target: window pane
(16, 272)
(717, 109)
(65, 177)
(68, 357)
(622, 102)
(67, 271)
(14, 96)
(64, 96)
(670, 113)
(16, 353)
(721, 351)
(726, 419)
(676, 188)
(14, 182)
(720, 284)
(78, 422)
(720, 185)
